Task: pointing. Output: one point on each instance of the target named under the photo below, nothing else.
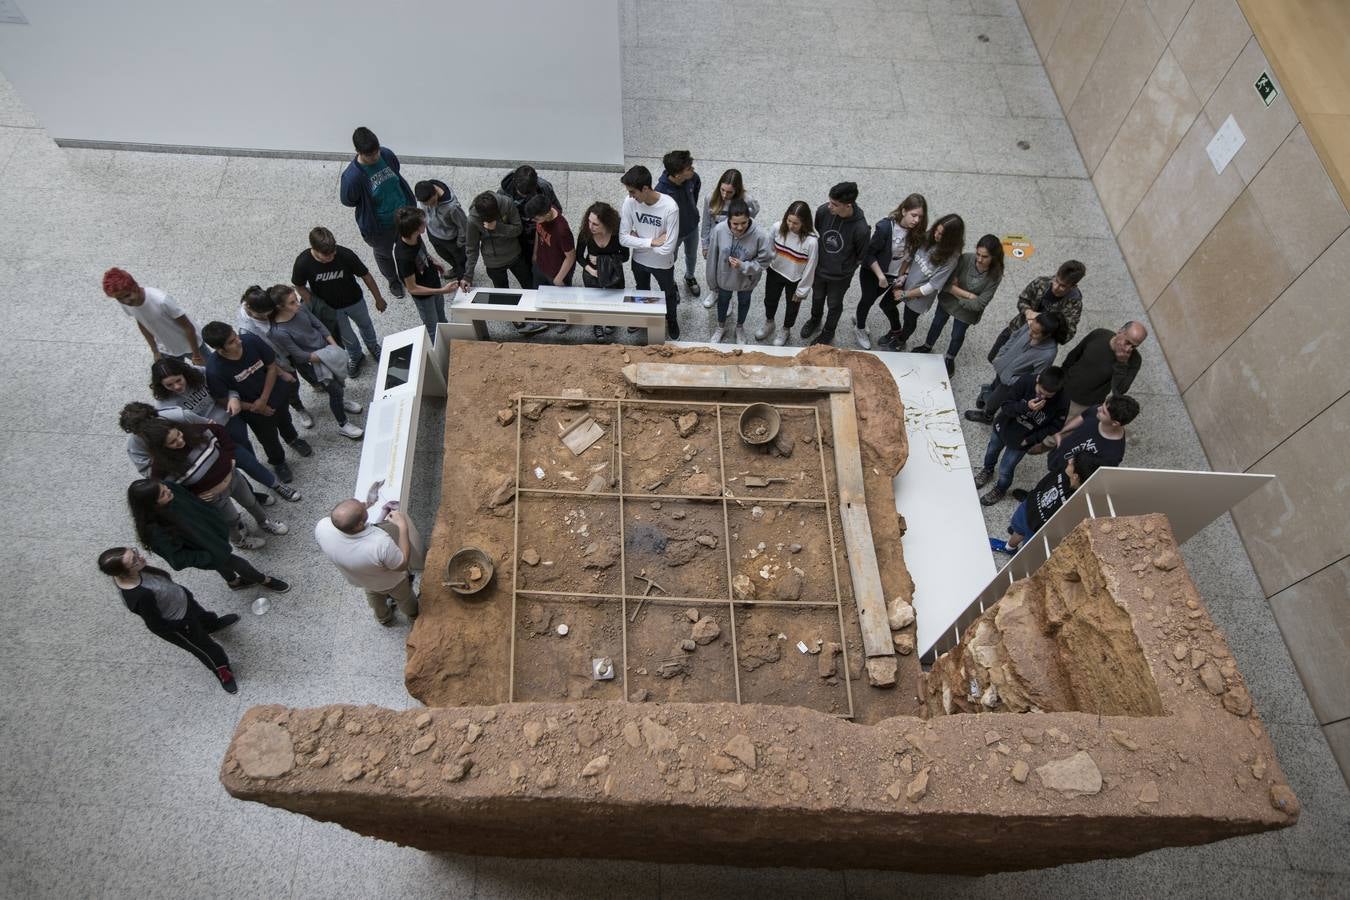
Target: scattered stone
(759, 650)
(743, 588)
(826, 666)
(918, 788)
(686, 424)
(991, 738)
(587, 734)
(784, 443)
(707, 540)
(1072, 776)
(265, 750)
(1283, 799)
(678, 553)
(904, 644)
(1167, 560)
(1259, 768)
(720, 763)
(352, 727)
(506, 416)
(688, 645)
(530, 557)
(706, 630)
(472, 732)
(352, 769)
(535, 408)
(658, 737)
(1237, 701)
(756, 512)
(546, 779)
(788, 586)
(1149, 792)
(640, 695)
(503, 494)
(423, 720)
(738, 782)
(1211, 679)
(677, 515)
(457, 770)
(881, 671)
(600, 555)
(1198, 658)
(1180, 651)
(742, 748)
(693, 615)
(1020, 771)
(656, 504)
(895, 790)
(632, 735)
(702, 484)
(534, 732)
(899, 614)
(320, 759)
(1123, 739)
(376, 756)
(423, 744)
(794, 548)
(595, 767)
(1148, 593)
(797, 782)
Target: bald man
(1103, 364)
(372, 557)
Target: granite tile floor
(111, 739)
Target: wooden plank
(868, 593)
(656, 376)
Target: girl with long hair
(895, 240)
(731, 186)
(970, 289)
(600, 256)
(795, 250)
(928, 272)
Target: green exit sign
(1265, 86)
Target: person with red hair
(163, 324)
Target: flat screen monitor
(497, 299)
(400, 367)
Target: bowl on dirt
(759, 424)
(469, 571)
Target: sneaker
(922, 348)
(227, 680)
(354, 367)
(809, 328)
(977, 415)
(301, 446)
(284, 472)
(717, 334)
(387, 620)
(691, 285)
(347, 429)
(272, 526)
(982, 476)
(525, 329)
(891, 341)
(289, 494)
(634, 329)
(864, 339)
(999, 545)
(992, 496)
(374, 353)
(780, 338)
(673, 331)
(248, 542)
(352, 406)
(951, 365)
(302, 418)
(275, 585)
(825, 337)
(609, 329)
(740, 334)
(599, 335)
(1019, 494)
(396, 290)
(709, 301)
(223, 622)
(764, 331)
(264, 499)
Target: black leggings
(237, 568)
(192, 634)
(776, 286)
(871, 290)
(891, 307)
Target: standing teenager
(600, 256)
(970, 289)
(300, 335)
(327, 271)
(842, 227)
(494, 234)
(447, 224)
(161, 321)
(372, 185)
(682, 184)
(738, 253)
(894, 242)
(795, 249)
(730, 188)
(649, 225)
(421, 275)
(928, 272)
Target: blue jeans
(742, 305)
(940, 318)
(689, 244)
(353, 318)
(332, 387)
(1007, 465)
(431, 310)
(244, 457)
(1018, 523)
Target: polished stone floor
(111, 739)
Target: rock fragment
(534, 731)
(423, 743)
(530, 557)
(456, 770)
(686, 424)
(265, 750)
(706, 630)
(423, 720)
(1073, 776)
(352, 769)
(904, 645)
(1211, 679)
(918, 788)
(826, 666)
(743, 588)
(595, 767)
(1020, 771)
(899, 614)
(1283, 799)
(741, 748)
(506, 416)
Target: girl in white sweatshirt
(792, 270)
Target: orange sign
(1017, 246)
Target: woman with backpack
(600, 256)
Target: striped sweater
(794, 257)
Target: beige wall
(1245, 276)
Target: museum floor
(111, 740)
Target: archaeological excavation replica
(666, 616)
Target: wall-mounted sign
(1017, 246)
(1265, 86)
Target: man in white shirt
(163, 324)
(372, 557)
(649, 225)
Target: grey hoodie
(446, 219)
(754, 249)
(708, 221)
(499, 246)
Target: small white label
(1225, 144)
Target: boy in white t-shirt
(163, 324)
(649, 225)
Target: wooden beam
(657, 376)
(868, 593)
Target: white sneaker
(709, 300)
(351, 406)
(272, 526)
(781, 337)
(764, 331)
(248, 542)
(302, 418)
(717, 334)
(864, 339)
(350, 430)
(740, 334)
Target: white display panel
(528, 81)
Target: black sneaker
(354, 366)
(975, 415)
(227, 680)
(223, 622)
(284, 472)
(600, 335)
(526, 329)
(396, 290)
(275, 585)
(691, 285)
(374, 355)
(994, 495)
(673, 331)
(1019, 494)
(983, 475)
(809, 328)
(289, 494)
(825, 337)
(922, 348)
(264, 499)
(301, 446)
(891, 341)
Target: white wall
(492, 79)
